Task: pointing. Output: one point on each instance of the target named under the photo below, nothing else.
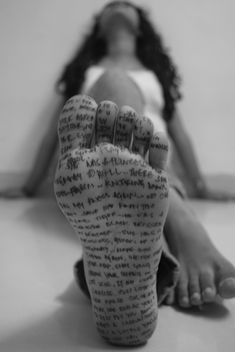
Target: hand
(13, 193)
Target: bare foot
(204, 272)
(117, 204)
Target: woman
(120, 59)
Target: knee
(116, 85)
(114, 78)
(114, 73)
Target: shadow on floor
(68, 327)
(213, 311)
(46, 215)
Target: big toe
(227, 288)
(226, 279)
(76, 123)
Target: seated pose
(122, 63)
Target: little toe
(208, 290)
(170, 299)
(142, 133)
(124, 126)
(105, 121)
(158, 151)
(76, 123)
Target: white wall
(38, 37)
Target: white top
(147, 83)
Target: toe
(105, 121)
(76, 123)
(170, 299)
(142, 133)
(124, 126)
(194, 289)
(225, 278)
(158, 151)
(208, 290)
(182, 292)
(226, 288)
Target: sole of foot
(111, 186)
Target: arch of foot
(117, 204)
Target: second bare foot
(204, 272)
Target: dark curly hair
(150, 51)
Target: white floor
(41, 309)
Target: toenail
(228, 282)
(208, 294)
(227, 288)
(196, 298)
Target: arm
(41, 164)
(186, 153)
(190, 163)
(44, 156)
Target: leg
(117, 204)
(202, 277)
(204, 271)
